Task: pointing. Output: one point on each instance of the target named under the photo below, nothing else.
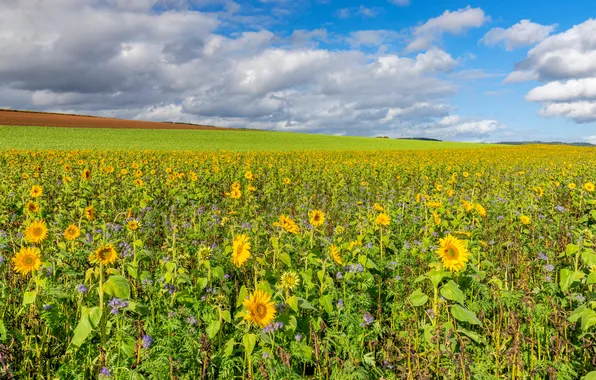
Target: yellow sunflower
(32, 207)
(36, 191)
(383, 219)
(27, 260)
(86, 174)
(72, 232)
(36, 232)
(289, 280)
(317, 218)
(589, 187)
(480, 210)
(133, 225)
(106, 254)
(287, 224)
(334, 253)
(378, 207)
(240, 250)
(525, 219)
(571, 186)
(453, 252)
(90, 212)
(259, 308)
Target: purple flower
(116, 304)
(105, 372)
(340, 303)
(47, 307)
(339, 276)
(170, 288)
(398, 277)
(227, 276)
(549, 267)
(82, 288)
(368, 318)
(298, 337)
(542, 256)
(431, 313)
(265, 355)
(147, 341)
(191, 320)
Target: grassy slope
(79, 138)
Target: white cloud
(123, 59)
(567, 63)
(521, 34)
(455, 22)
(591, 139)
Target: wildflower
(334, 253)
(589, 187)
(105, 372)
(36, 232)
(289, 280)
(105, 254)
(317, 218)
(81, 288)
(259, 308)
(147, 341)
(287, 224)
(36, 191)
(240, 250)
(72, 232)
(383, 219)
(525, 219)
(27, 260)
(453, 252)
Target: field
(459, 264)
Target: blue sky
(454, 70)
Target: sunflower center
(260, 311)
(37, 231)
(451, 252)
(28, 260)
(104, 253)
(239, 249)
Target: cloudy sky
(455, 70)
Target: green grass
(33, 138)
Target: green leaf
(327, 303)
(589, 257)
(128, 347)
(452, 292)
(117, 286)
(305, 304)
(293, 302)
(369, 359)
(229, 347)
(2, 331)
(568, 277)
(590, 376)
(218, 272)
(285, 258)
(95, 316)
(464, 315)
(213, 328)
(588, 319)
(226, 316)
(576, 314)
(29, 298)
(249, 341)
(83, 329)
(436, 276)
(472, 335)
(242, 294)
(591, 278)
(202, 282)
(571, 249)
(418, 298)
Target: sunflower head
(241, 250)
(36, 232)
(378, 207)
(334, 253)
(27, 260)
(480, 210)
(289, 280)
(32, 207)
(90, 212)
(259, 308)
(589, 187)
(287, 224)
(453, 252)
(133, 225)
(235, 193)
(525, 219)
(572, 186)
(72, 232)
(383, 219)
(106, 254)
(36, 191)
(86, 174)
(316, 218)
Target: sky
(454, 70)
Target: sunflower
(259, 308)
(382, 219)
(453, 252)
(32, 207)
(437, 218)
(36, 232)
(106, 254)
(90, 212)
(468, 206)
(72, 232)
(571, 186)
(525, 219)
(36, 191)
(289, 280)
(287, 224)
(287, 181)
(27, 260)
(248, 175)
(334, 252)
(86, 174)
(317, 218)
(480, 210)
(133, 225)
(589, 187)
(240, 250)
(378, 207)
(235, 193)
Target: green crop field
(12, 137)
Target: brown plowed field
(43, 119)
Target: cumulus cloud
(146, 60)
(566, 62)
(452, 22)
(523, 33)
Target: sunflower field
(442, 264)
